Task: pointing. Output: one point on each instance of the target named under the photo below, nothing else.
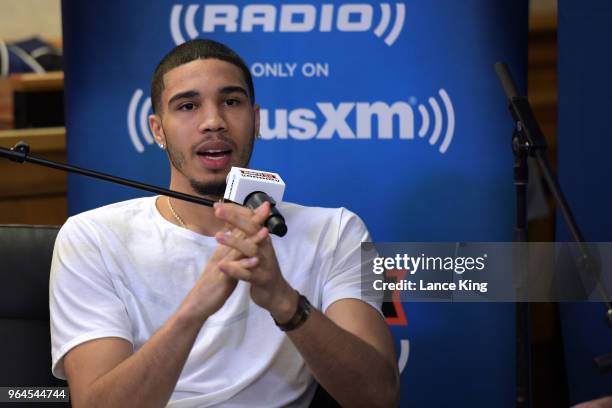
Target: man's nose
(212, 119)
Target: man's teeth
(215, 154)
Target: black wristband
(299, 317)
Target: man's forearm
(350, 369)
(357, 365)
(148, 377)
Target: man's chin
(213, 188)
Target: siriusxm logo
(363, 121)
(287, 18)
(344, 120)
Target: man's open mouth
(214, 154)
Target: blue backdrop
(390, 109)
(584, 146)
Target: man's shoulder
(119, 213)
(326, 220)
(314, 214)
(129, 206)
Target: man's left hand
(269, 289)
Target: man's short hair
(191, 51)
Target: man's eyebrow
(231, 89)
(183, 95)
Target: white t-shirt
(123, 270)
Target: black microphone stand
(21, 153)
(528, 141)
(523, 355)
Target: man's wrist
(284, 308)
(301, 314)
(190, 315)
(188, 322)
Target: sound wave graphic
(400, 16)
(144, 110)
(404, 353)
(438, 121)
(189, 23)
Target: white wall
(23, 18)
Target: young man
(156, 300)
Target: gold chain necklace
(176, 216)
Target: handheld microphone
(252, 188)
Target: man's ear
(158, 131)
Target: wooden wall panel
(6, 104)
(542, 77)
(42, 210)
(549, 382)
(32, 194)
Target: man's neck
(196, 217)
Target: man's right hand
(214, 287)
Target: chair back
(25, 261)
